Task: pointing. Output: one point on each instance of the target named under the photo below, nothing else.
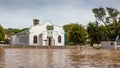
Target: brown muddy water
(59, 58)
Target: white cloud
(20, 13)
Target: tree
(107, 16)
(2, 34)
(95, 32)
(11, 31)
(78, 34)
(67, 29)
(35, 21)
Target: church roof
(23, 32)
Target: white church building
(46, 34)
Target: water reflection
(37, 58)
(50, 58)
(94, 58)
(76, 58)
(107, 59)
(59, 58)
(17, 58)
(2, 60)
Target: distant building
(45, 34)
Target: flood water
(59, 58)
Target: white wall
(58, 30)
(108, 44)
(23, 39)
(55, 36)
(14, 40)
(44, 38)
(35, 30)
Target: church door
(49, 41)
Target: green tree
(67, 29)
(78, 34)
(2, 34)
(11, 31)
(36, 21)
(95, 32)
(107, 16)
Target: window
(59, 39)
(35, 39)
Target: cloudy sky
(20, 13)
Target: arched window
(59, 39)
(35, 39)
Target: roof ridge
(22, 32)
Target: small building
(46, 34)
(108, 44)
(111, 44)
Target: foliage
(36, 21)
(67, 29)
(11, 31)
(112, 27)
(107, 16)
(95, 32)
(2, 34)
(49, 27)
(75, 33)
